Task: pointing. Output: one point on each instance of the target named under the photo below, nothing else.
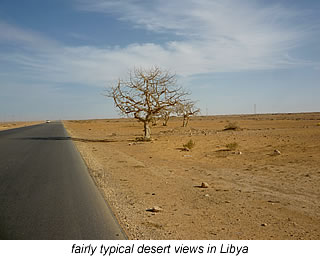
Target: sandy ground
(11, 125)
(253, 193)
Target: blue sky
(57, 57)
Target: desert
(17, 124)
(259, 179)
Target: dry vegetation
(250, 191)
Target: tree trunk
(165, 120)
(154, 121)
(147, 131)
(185, 122)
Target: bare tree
(186, 109)
(165, 115)
(155, 120)
(146, 94)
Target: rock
(264, 224)
(204, 185)
(274, 201)
(154, 209)
(186, 149)
(276, 152)
(207, 195)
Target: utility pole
(255, 109)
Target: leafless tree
(186, 109)
(165, 115)
(145, 94)
(155, 120)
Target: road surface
(46, 191)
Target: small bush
(231, 126)
(189, 145)
(232, 146)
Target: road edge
(90, 171)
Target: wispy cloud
(216, 36)
(24, 38)
(241, 21)
(222, 35)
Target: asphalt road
(46, 191)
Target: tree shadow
(53, 138)
(93, 140)
(66, 138)
(183, 149)
(223, 150)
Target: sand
(11, 125)
(253, 192)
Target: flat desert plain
(11, 125)
(250, 191)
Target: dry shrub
(189, 145)
(231, 126)
(232, 146)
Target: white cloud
(25, 38)
(216, 36)
(205, 19)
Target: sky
(57, 57)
